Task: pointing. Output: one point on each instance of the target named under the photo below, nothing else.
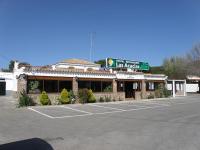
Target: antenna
(91, 44)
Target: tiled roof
(77, 61)
(63, 70)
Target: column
(184, 88)
(75, 85)
(173, 88)
(143, 89)
(22, 84)
(114, 86)
(199, 86)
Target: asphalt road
(168, 124)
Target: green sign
(120, 63)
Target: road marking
(109, 112)
(106, 107)
(76, 109)
(181, 103)
(90, 114)
(41, 113)
(72, 116)
(150, 103)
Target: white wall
(192, 87)
(11, 83)
(169, 86)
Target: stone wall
(116, 96)
(54, 97)
(138, 95)
(21, 84)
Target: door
(2, 88)
(129, 90)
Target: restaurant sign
(120, 63)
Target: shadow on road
(29, 144)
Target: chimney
(16, 65)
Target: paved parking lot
(81, 110)
(134, 125)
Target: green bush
(25, 100)
(162, 92)
(33, 87)
(108, 89)
(151, 96)
(91, 97)
(44, 99)
(101, 99)
(166, 92)
(86, 96)
(64, 97)
(83, 95)
(72, 97)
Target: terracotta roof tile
(78, 61)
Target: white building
(74, 74)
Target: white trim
(41, 113)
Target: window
(150, 86)
(84, 84)
(137, 86)
(107, 87)
(120, 86)
(96, 86)
(65, 84)
(34, 86)
(51, 86)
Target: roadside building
(75, 74)
(121, 80)
(193, 84)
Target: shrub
(166, 92)
(91, 97)
(64, 97)
(108, 89)
(86, 96)
(161, 92)
(33, 87)
(101, 99)
(25, 100)
(83, 95)
(44, 99)
(72, 97)
(151, 96)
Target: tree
(156, 70)
(10, 67)
(193, 58)
(175, 67)
(180, 67)
(102, 62)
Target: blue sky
(46, 31)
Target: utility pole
(91, 44)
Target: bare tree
(193, 57)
